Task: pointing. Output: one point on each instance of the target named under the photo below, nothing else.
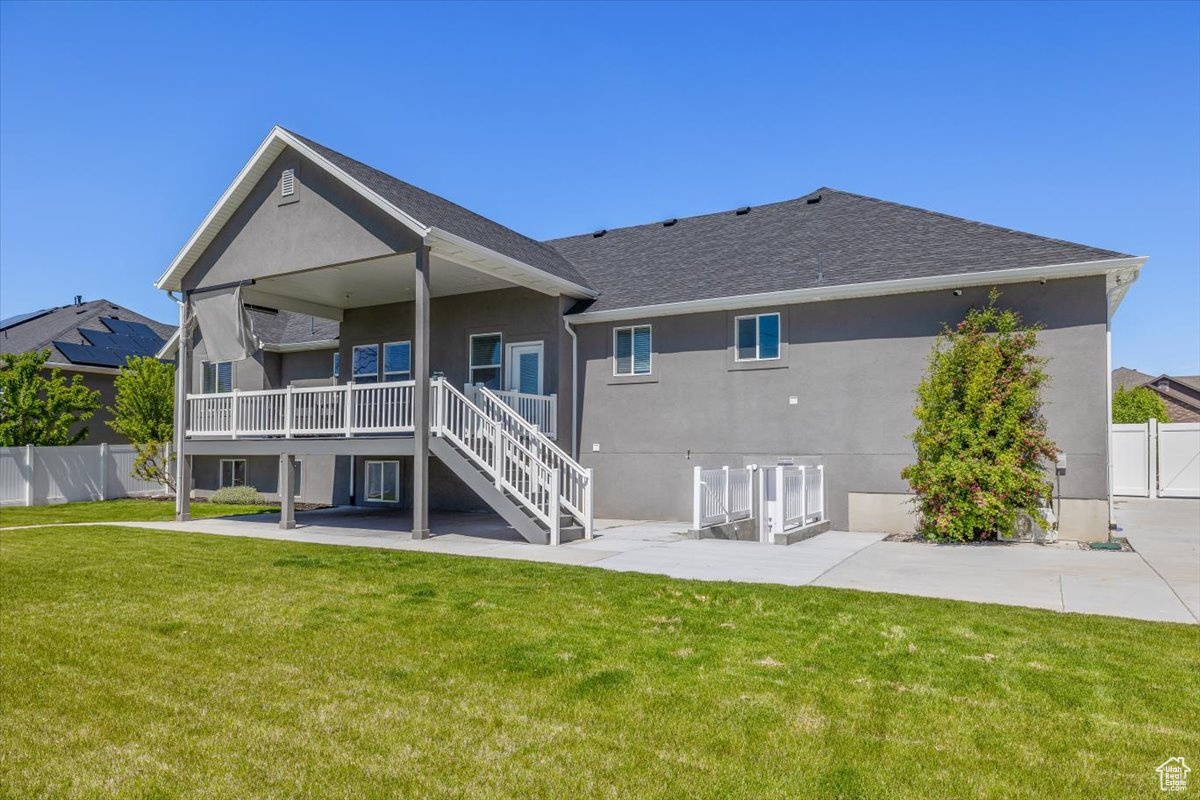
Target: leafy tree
(41, 407)
(144, 413)
(981, 438)
(1138, 405)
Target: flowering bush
(981, 440)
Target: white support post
(555, 506)
(725, 510)
(780, 516)
(287, 492)
(349, 409)
(697, 498)
(183, 382)
(166, 456)
(29, 465)
(588, 521)
(103, 471)
(803, 496)
(1152, 457)
(233, 415)
(287, 413)
(821, 472)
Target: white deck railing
(539, 410)
(347, 410)
(721, 496)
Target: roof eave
(1121, 271)
(460, 250)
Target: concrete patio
(1161, 581)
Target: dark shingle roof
(1129, 378)
(287, 327)
(842, 239)
(437, 212)
(91, 334)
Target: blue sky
(120, 125)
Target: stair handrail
(575, 480)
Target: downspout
(574, 388)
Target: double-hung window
(397, 361)
(365, 367)
(485, 359)
(631, 350)
(233, 472)
(383, 481)
(757, 337)
(218, 377)
(337, 365)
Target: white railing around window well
(346, 410)
(721, 495)
(797, 497)
(539, 410)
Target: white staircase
(529, 480)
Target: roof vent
(812, 201)
(78, 299)
(669, 222)
(287, 186)
(599, 233)
(743, 211)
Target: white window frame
(508, 354)
(633, 329)
(216, 372)
(233, 473)
(383, 362)
(337, 364)
(472, 366)
(354, 374)
(737, 349)
(367, 481)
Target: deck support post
(287, 492)
(420, 363)
(183, 383)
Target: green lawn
(149, 664)
(128, 510)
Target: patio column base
(422, 533)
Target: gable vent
(288, 184)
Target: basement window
(233, 472)
(383, 481)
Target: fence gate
(1179, 459)
(1131, 460)
(1156, 460)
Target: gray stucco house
(587, 376)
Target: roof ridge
(976, 222)
(706, 214)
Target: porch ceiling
(378, 281)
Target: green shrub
(981, 438)
(1138, 405)
(238, 495)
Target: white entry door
(524, 373)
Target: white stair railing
(515, 464)
(575, 480)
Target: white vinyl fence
(722, 495)
(1156, 460)
(34, 476)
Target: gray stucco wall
(852, 366)
(323, 479)
(98, 431)
(324, 223)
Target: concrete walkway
(1161, 581)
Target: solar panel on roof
(9, 322)
(89, 356)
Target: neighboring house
(794, 330)
(91, 339)
(1180, 393)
